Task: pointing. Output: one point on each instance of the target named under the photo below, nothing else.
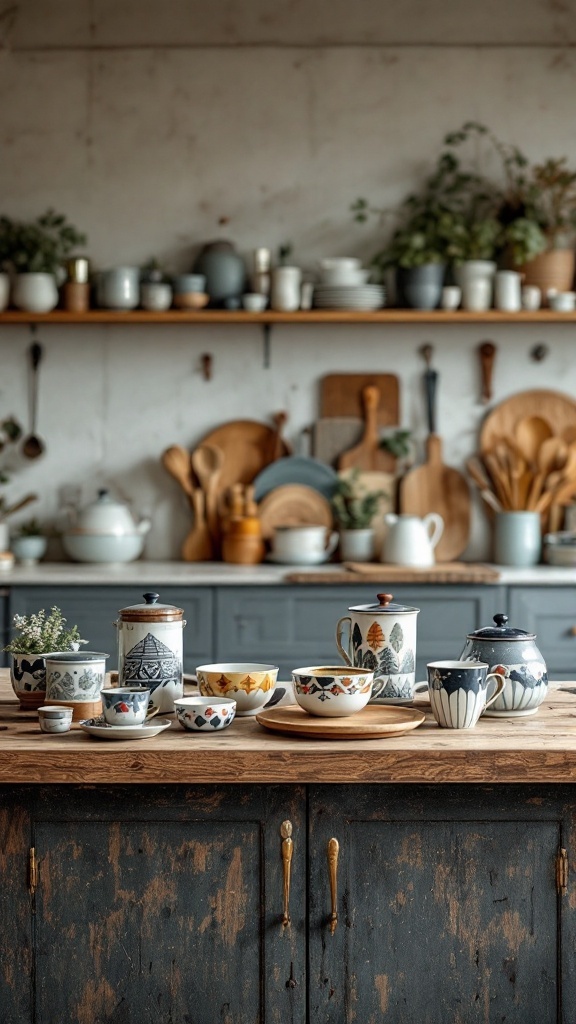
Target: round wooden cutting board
(373, 722)
(293, 505)
(557, 409)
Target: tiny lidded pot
(382, 640)
(512, 653)
(150, 650)
(74, 679)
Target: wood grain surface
(537, 749)
(436, 487)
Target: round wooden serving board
(557, 409)
(293, 505)
(373, 722)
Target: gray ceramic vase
(224, 271)
(421, 287)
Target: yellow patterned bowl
(250, 685)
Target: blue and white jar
(150, 650)
(512, 653)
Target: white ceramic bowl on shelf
(102, 547)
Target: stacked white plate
(361, 297)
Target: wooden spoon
(207, 462)
(530, 434)
(177, 461)
(197, 546)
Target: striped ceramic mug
(458, 692)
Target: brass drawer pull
(287, 851)
(333, 850)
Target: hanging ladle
(33, 446)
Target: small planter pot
(421, 287)
(357, 545)
(35, 293)
(29, 550)
(28, 678)
(75, 679)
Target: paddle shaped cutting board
(341, 394)
(368, 454)
(435, 487)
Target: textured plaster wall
(158, 127)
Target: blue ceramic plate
(296, 469)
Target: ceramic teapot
(382, 638)
(512, 653)
(410, 540)
(110, 517)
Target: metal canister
(78, 269)
(150, 649)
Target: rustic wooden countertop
(540, 748)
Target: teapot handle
(434, 526)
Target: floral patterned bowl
(205, 714)
(332, 691)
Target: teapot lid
(151, 611)
(385, 604)
(500, 631)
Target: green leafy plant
(30, 528)
(352, 509)
(40, 246)
(42, 634)
(399, 444)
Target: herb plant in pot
(36, 636)
(29, 543)
(34, 252)
(354, 512)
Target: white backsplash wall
(154, 151)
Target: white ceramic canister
(150, 650)
(382, 639)
(285, 293)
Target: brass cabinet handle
(333, 850)
(287, 851)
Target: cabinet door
(168, 907)
(15, 909)
(293, 626)
(95, 609)
(448, 910)
(550, 612)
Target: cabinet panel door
(95, 610)
(550, 612)
(15, 909)
(296, 626)
(447, 908)
(174, 914)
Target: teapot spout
(143, 526)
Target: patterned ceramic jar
(150, 650)
(512, 653)
(75, 678)
(383, 640)
(28, 678)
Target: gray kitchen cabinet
(550, 612)
(294, 626)
(95, 609)
(448, 907)
(4, 623)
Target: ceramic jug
(382, 639)
(150, 650)
(512, 653)
(410, 540)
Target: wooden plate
(558, 409)
(373, 722)
(293, 505)
(248, 447)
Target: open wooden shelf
(313, 316)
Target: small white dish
(253, 302)
(100, 728)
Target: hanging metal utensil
(33, 446)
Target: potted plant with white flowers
(34, 637)
(29, 542)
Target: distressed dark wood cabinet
(439, 905)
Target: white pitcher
(411, 540)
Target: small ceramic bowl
(54, 718)
(249, 684)
(190, 300)
(332, 691)
(205, 714)
(254, 302)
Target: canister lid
(500, 631)
(385, 604)
(151, 611)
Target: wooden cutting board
(293, 505)
(447, 572)
(558, 409)
(435, 487)
(335, 435)
(341, 395)
(367, 455)
(248, 447)
(373, 722)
